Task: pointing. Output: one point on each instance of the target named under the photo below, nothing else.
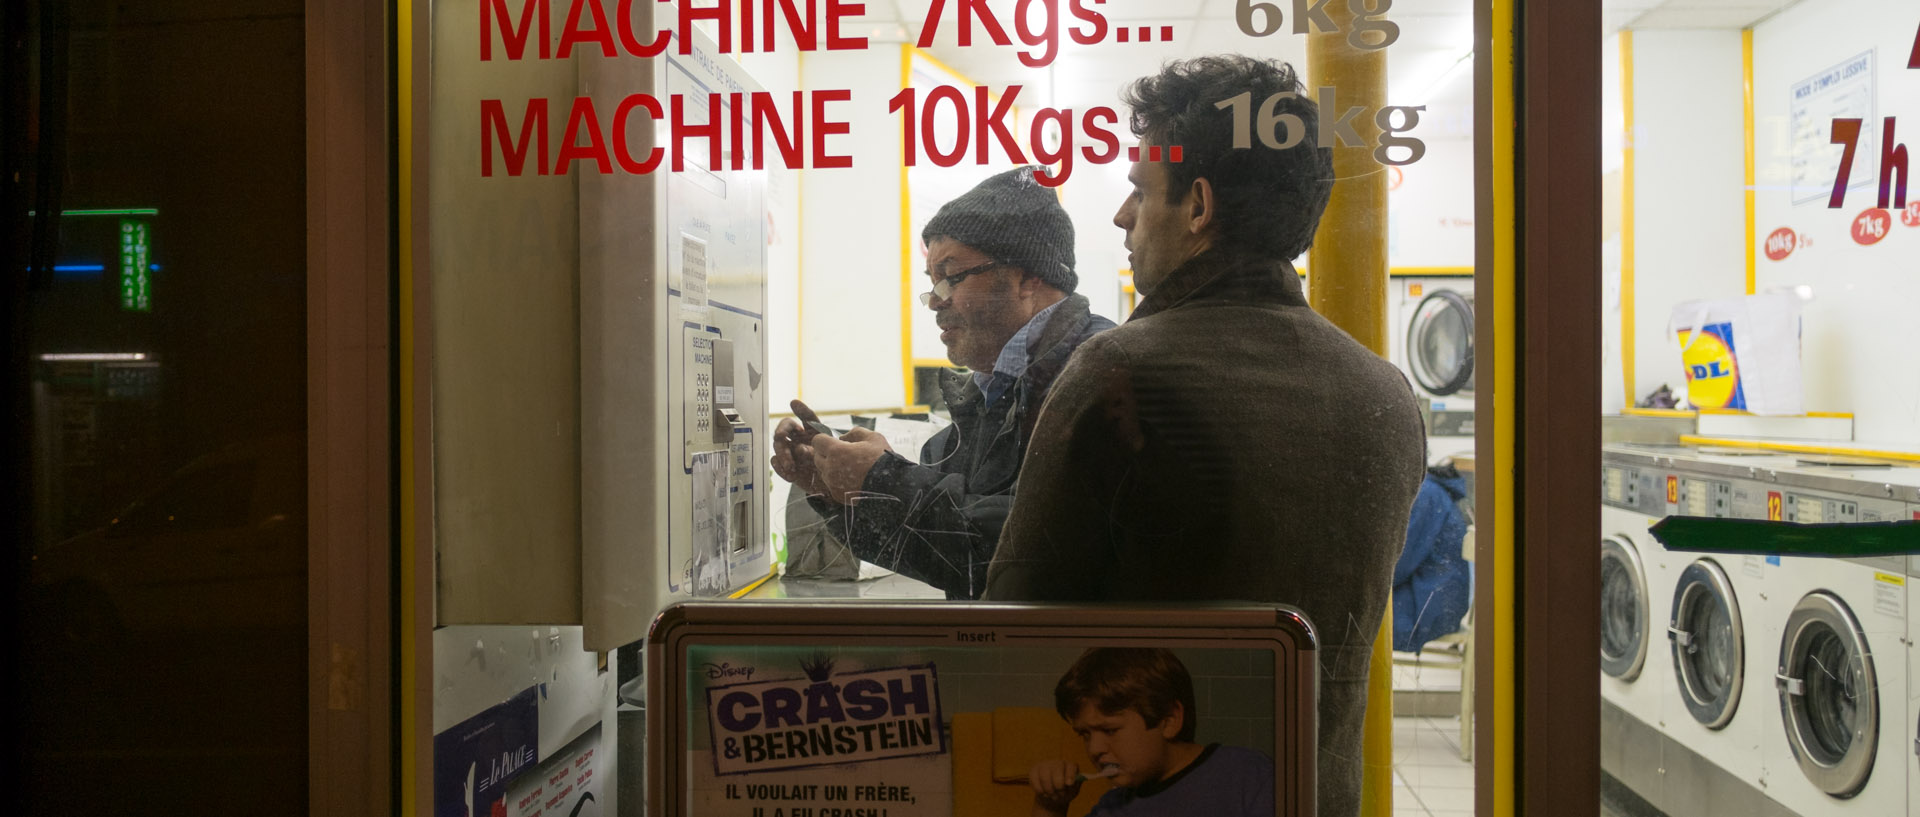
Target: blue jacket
(1432, 583)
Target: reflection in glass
(1830, 695)
(165, 637)
(1712, 666)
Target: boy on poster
(1135, 710)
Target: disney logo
(716, 671)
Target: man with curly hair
(1226, 442)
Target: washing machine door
(1440, 343)
(1623, 609)
(1709, 645)
(1829, 699)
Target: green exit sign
(136, 276)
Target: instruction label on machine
(698, 389)
(693, 278)
(709, 570)
(1889, 594)
(743, 461)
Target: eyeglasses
(943, 288)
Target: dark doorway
(157, 263)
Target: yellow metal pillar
(1347, 283)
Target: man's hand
(842, 464)
(1055, 783)
(793, 457)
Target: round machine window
(1829, 703)
(1708, 643)
(1440, 343)
(1832, 697)
(1623, 610)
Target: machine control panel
(1677, 487)
(1704, 497)
(1814, 510)
(1634, 489)
(1661, 487)
(1754, 499)
(1449, 423)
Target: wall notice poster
(957, 731)
(569, 784)
(1844, 91)
(475, 762)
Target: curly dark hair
(1115, 679)
(1270, 200)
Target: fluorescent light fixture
(93, 357)
(122, 211)
(92, 267)
(125, 211)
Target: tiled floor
(1434, 676)
(1429, 778)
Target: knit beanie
(1015, 220)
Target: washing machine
(1837, 726)
(1913, 661)
(1793, 676)
(1635, 573)
(1836, 632)
(1913, 672)
(1431, 318)
(1635, 576)
(1638, 685)
(1718, 670)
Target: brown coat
(1227, 443)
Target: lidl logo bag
(1741, 353)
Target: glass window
(689, 239)
(211, 498)
(162, 159)
(1760, 234)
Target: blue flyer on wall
(474, 761)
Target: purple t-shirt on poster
(1225, 781)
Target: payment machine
(625, 465)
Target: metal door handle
(1790, 684)
(1680, 637)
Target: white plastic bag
(1741, 353)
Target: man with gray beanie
(1001, 268)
